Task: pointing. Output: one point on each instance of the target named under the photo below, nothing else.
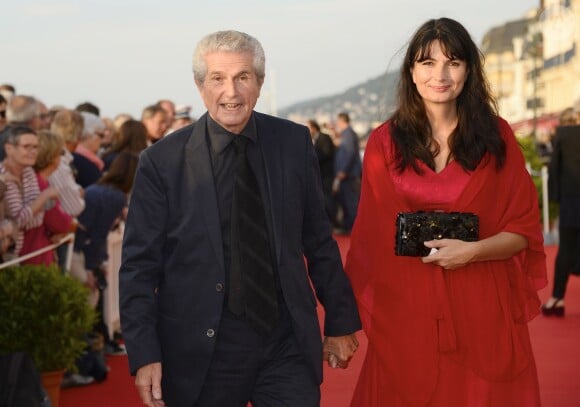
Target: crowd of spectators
(69, 170)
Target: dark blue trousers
(348, 196)
(567, 259)
(266, 371)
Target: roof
(499, 39)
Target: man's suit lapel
(272, 184)
(204, 194)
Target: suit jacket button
(219, 287)
(210, 333)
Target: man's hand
(148, 382)
(338, 350)
(340, 176)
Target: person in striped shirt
(24, 201)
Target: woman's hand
(49, 193)
(451, 254)
(9, 177)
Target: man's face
(340, 124)
(230, 89)
(169, 108)
(42, 119)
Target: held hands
(451, 253)
(338, 350)
(148, 383)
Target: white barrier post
(111, 294)
(69, 254)
(545, 201)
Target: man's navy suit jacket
(172, 275)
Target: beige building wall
(557, 86)
(506, 70)
(560, 27)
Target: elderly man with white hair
(21, 110)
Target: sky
(124, 55)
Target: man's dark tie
(252, 287)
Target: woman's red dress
(446, 337)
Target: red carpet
(556, 344)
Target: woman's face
(93, 142)
(439, 80)
(23, 153)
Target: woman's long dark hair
(121, 173)
(132, 137)
(477, 131)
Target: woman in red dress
(448, 329)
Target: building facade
(533, 65)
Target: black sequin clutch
(415, 228)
